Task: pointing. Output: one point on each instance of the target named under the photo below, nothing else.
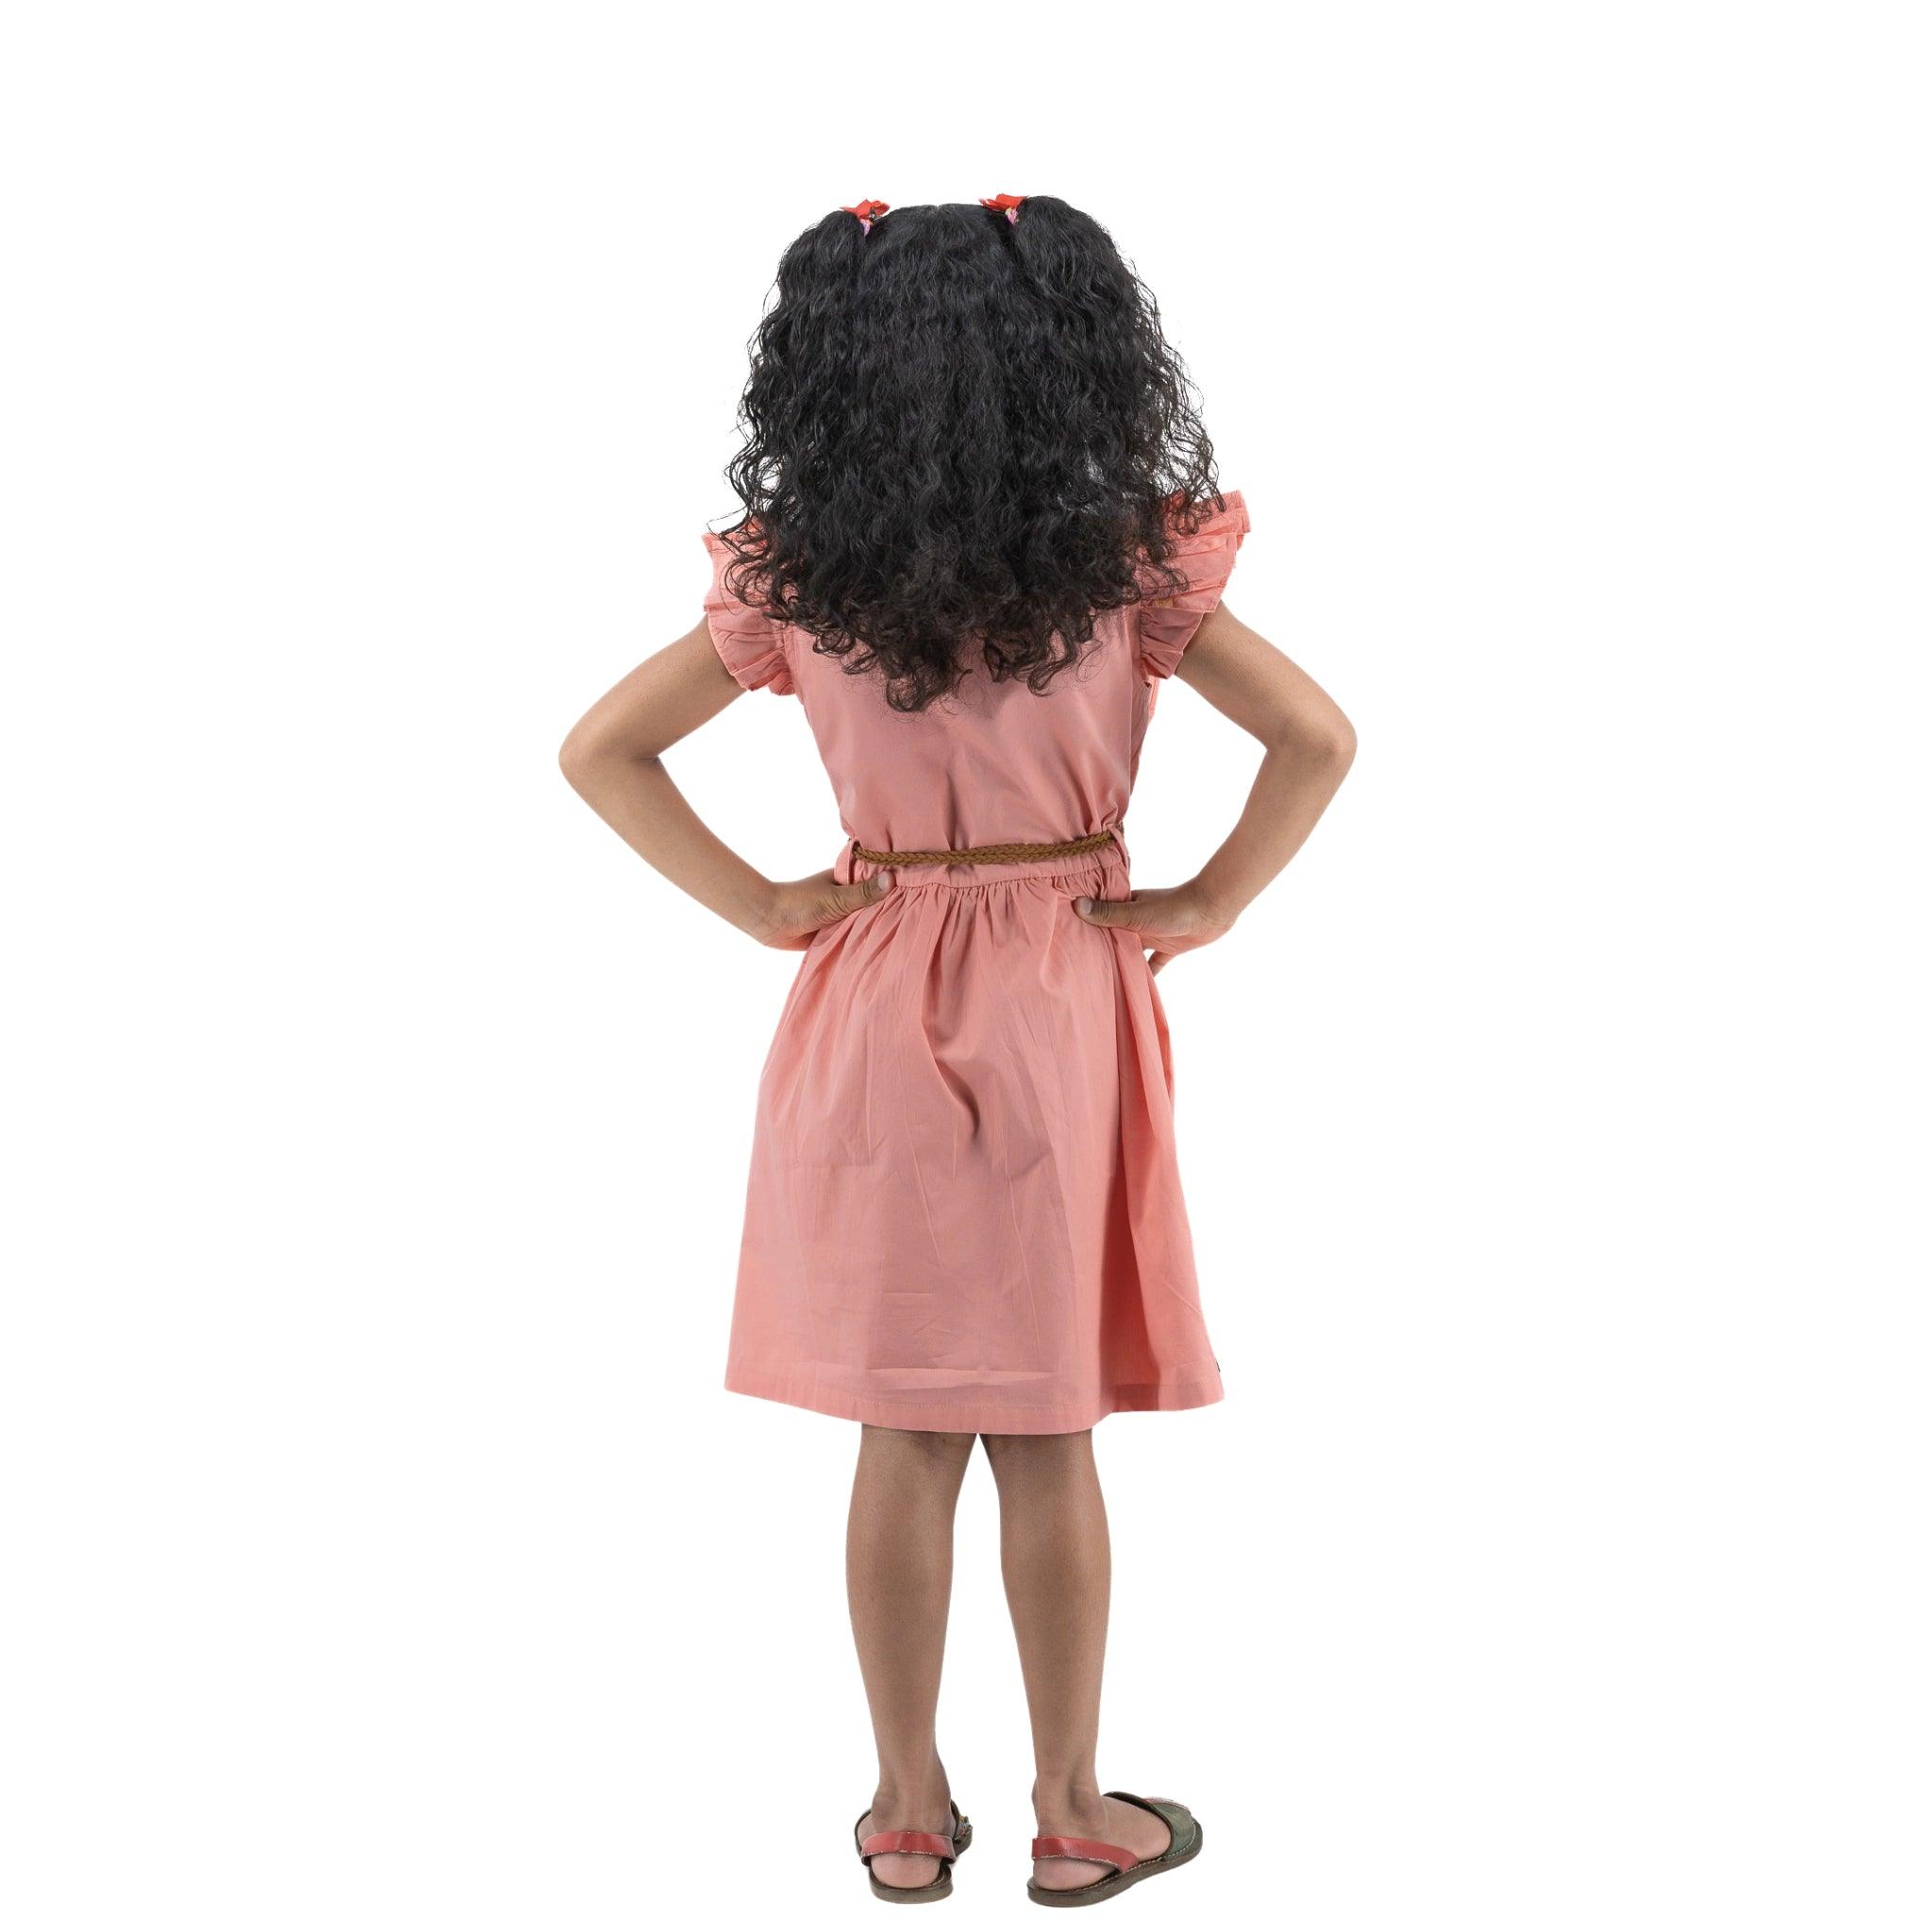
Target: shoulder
(1205, 540)
(750, 640)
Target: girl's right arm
(614, 758)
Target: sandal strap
(1089, 1849)
(923, 1844)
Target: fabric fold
(963, 1212)
(750, 642)
(1206, 557)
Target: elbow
(1322, 744)
(581, 756)
(594, 759)
(1334, 746)
(574, 758)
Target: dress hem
(886, 1413)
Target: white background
(383, 1549)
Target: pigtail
(812, 321)
(1085, 287)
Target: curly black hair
(961, 430)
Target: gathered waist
(973, 865)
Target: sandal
(918, 1845)
(1184, 1842)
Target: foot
(1109, 1821)
(907, 1870)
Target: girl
(981, 524)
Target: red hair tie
(868, 212)
(1009, 202)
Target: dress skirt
(964, 1209)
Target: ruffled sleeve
(1206, 559)
(750, 640)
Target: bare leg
(1057, 1565)
(899, 1577)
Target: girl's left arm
(1308, 747)
(614, 757)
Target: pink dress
(964, 1210)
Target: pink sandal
(917, 1844)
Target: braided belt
(988, 855)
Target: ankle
(1068, 1807)
(913, 1799)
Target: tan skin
(1053, 1523)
